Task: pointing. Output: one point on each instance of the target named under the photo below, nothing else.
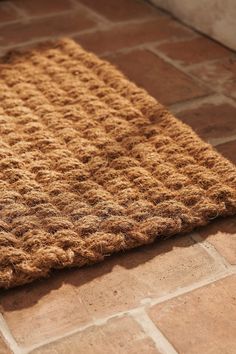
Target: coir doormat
(90, 164)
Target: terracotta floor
(177, 296)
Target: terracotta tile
(119, 335)
(4, 349)
(194, 50)
(222, 235)
(160, 79)
(170, 264)
(228, 150)
(211, 120)
(73, 298)
(43, 6)
(43, 309)
(148, 272)
(7, 12)
(129, 35)
(202, 321)
(44, 27)
(121, 10)
(220, 74)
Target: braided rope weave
(91, 165)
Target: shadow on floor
(28, 295)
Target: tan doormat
(91, 165)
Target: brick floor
(175, 296)
(163, 81)
(44, 27)
(220, 73)
(43, 7)
(192, 51)
(202, 321)
(211, 121)
(131, 34)
(222, 235)
(8, 13)
(114, 286)
(121, 10)
(118, 335)
(228, 150)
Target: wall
(216, 18)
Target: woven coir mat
(90, 164)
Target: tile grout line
(50, 38)
(190, 67)
(195, 103)
(23, 16)
(74, 36)
(214, 98)
(210, 249)
(144, 304)
(107, 24)
(97, 27)
(26, 18)
(153, 332)
(8, 337)
(223, 140)
(187, 71)
(176, 65)
(185, 290)
(144, 46)
(92, 14)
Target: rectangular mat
(90, 164)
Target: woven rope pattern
(90, 165)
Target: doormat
(90, 165)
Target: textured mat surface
(91, 165)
